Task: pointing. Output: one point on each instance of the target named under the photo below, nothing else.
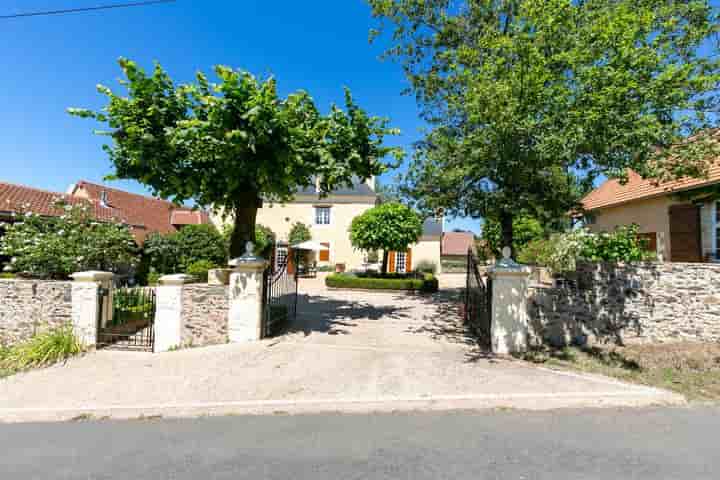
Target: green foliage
(299, 232)
(426, 266)
(7, 276)
(55, 247)
(372, 256)
(199, 269)
(175, 252)
(234, 143)
(43, 349)
(162, 253)
(200, 242)
(264, 240)
(387, 227)
(525, 230)
(561, 252)
(537, 252)
(426, 284)
(132, 304)
(528, 101)
(621, 245)
(153, 278)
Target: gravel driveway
(347, 351)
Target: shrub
(7, 276)
(561, 252)
(43, 349)
(161, 254)
(426, 284)
(200, 242)
(153, 278)
(55, 247)
(199, 269)
(426, 266)
(299, 232)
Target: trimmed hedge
(427, 284)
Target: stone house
(329, 220)
(678, 218)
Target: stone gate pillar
(246, 297)
(509, 318)
(168, 319)
(87, 309)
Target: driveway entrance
(347, 351)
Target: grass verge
(691, 369)
(43, 349)
(426, 283)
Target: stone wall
(651, 302)
(28, 306)
(204, 317)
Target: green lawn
(691, 369)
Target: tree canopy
(234, 143)
(387, 227)
(529, 101)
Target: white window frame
(404, 262)
(285, 255)
(714, 230)
(316, 211)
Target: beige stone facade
(329, 220)
(652, 216)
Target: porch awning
(309, 245)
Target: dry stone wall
(204, 317)
(649, 302)
(29, 306)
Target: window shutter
(325, 254)
(685, 233)
(391, 262)
(408, 260)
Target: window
(281, 257)
(322, 215)
(401, 262)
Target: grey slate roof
(432, 227)
(359, 188)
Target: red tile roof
(456, 243)
(21, 199)
(146, 214)
(613, 193)
(142, 214)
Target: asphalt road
(611, 444)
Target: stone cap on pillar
(92, 276)
(507, 267)
(176, 279)
(248, 261)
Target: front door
(685, 242)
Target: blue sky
(51, 63)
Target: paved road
(595, 444)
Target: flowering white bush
(55, 247)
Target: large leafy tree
(527, 99)
(387, 227)
(234, 143)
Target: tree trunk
(506, 237)
(385, 262)
(245, 214)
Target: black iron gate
(280, 296)
(131, 319)
(478, 301)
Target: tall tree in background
(233, 144)
(530, 100)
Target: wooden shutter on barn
(685, 243)
(391, 262)
(325, 254)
